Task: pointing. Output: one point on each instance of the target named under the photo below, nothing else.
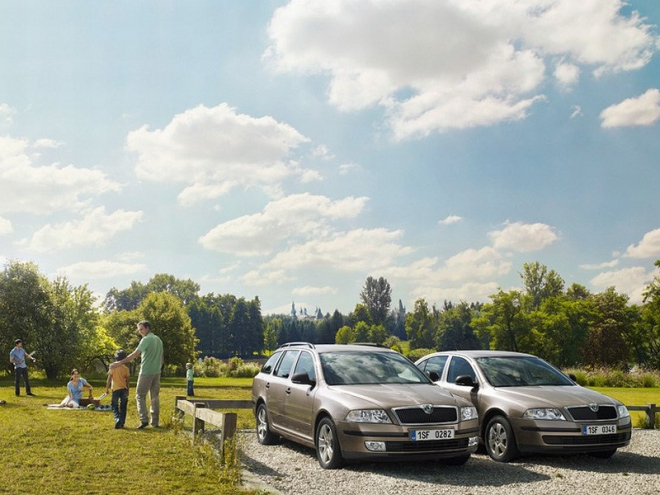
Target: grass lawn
(633, 397)
(58, 451)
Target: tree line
(568, 326)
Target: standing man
(151, 350)
(17, 358)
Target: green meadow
(79, 451)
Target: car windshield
(358, 368)
(523, 371)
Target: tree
(376, 296)
(456, 331)
(540, 284)
(420, 326)
(170, 321)
(130, 298)
(504, 323)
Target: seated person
(75, 389)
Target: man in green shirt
(151, 350)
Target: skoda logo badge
(428, 408)
(593, 407)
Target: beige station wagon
(527, 405)
(360, 402)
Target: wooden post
(650, 415)
(198, 424)
(179, 413)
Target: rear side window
(270, 364)
(283, 369)
(435, 363)
(459, 366)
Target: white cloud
(94, 229)
(450, 220)
(470, 292)
(6, 115)
(576, 111)
(212, 150)
(631, 281)
(648, 247)
(295, 216)
(314, 291)
(322, 151)
(46, 143)
(567, 74)
(607, 264)
(346, 168)
(453, 64)
(643, 110)
(5, 226)
(26, 187)
(95, 270)
(523, 237)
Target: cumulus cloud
(95, 228)
(314, 291)
(600, 266)
(648, 247)
(523, 237)
(30, 188)
(6, 115)
(296, 216)
(470, 292)
(95, 270)
(450, 219)
(5, 226)
(643, 110)
(461, 63)
(631, 281)
(213, 150)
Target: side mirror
(303, 378)
(572, 377)
(433, 376)
(466, 381)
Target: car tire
(328, 451)
(603, 454)
(264, 435)
(456, 461)
(500, 441)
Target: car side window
(305, 365)
(459, 366)
(435, 363)
(283, 369)
(270, 364)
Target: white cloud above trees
(643, 110)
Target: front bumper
(567, 437)
(353, 438)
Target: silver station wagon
(527, 405)
(360, 402)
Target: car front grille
(427, 446)
(587, 439)
(584, 413)
(417, 416)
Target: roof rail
(370, 344)
(291, 344)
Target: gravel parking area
(292, 469)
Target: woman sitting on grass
(75, 387)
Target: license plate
(421, 435)
(598, 430)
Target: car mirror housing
(433, 376)
(466, 381)
(303, 378)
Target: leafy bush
(415, 354)
(606, 377)
(211, 367)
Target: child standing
(118, 378)
(190, 376)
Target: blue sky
(289, 150)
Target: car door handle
(288, 391)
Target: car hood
(387, 396)
(553, 396)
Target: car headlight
(544, 413)
(623, 412)
(368, 416)
(468, 413)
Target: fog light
(375, 446)
(473, 441)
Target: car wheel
(500, 440)
(603, 454)
(264, 435)
(456, 461)
(328, 451)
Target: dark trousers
(190, 388)
(22, 372)
(119, 405)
